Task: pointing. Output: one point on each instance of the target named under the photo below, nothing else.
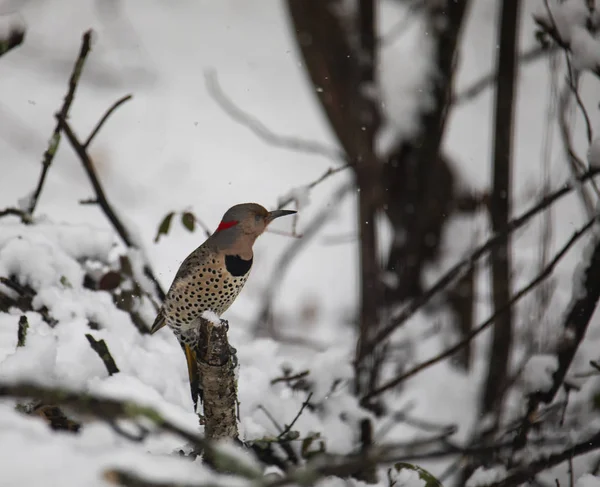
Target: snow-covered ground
(173, 148)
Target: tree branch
(475, 255)
(545, 273)
(100, 347)
(500, 255)
(103, 120)
(88, 165)
(62, 114)
(262, 131)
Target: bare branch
(262, 131)
(62, 114)
(88, 165)
(546, 272)
(470, 261)
(100, 347)
(290, 253)
(485, 82)
(108, 113)
(288, 427)
(15, 38)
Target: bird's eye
(258, 218)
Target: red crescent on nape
(226, 225)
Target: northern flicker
(213, 275)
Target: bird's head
(247, 220)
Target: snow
(537, 376)
(588, 480)
(585, 49)
(485, 476)
(211, 317)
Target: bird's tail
(159, 322)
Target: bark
(217, 381)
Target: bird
(212, 276)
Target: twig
(100, 347)
(290, 253)
(476, 331)
(108, 113)
(288, 427)
(523, 474)
(110, 410)
(62, 114)
(88, 165)
(22, 331)
(15, 38)
(475, 255)
(14, 212)
(575, 327)
(330, 172)
(262, 131)
(289, 378)
(270, 416)
(477, 87)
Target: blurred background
(387, 126)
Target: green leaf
(65, 282)
(165, 224)
(188, 220)
(430, 480)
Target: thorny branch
(544, 274)
(470, 261)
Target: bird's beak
(277, 213)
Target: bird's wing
(159, 322)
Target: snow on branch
(586, 293)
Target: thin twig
(262, 131)
(477, 87)
(88, 165)
(108, 113)
(288, 427)
(476, 331)
(289, 378)
(270, 416)
(14, 212)
(290, 253)
(62, 114)
(100, 347)
(467, 263)
(15, 37)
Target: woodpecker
(212, 276)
